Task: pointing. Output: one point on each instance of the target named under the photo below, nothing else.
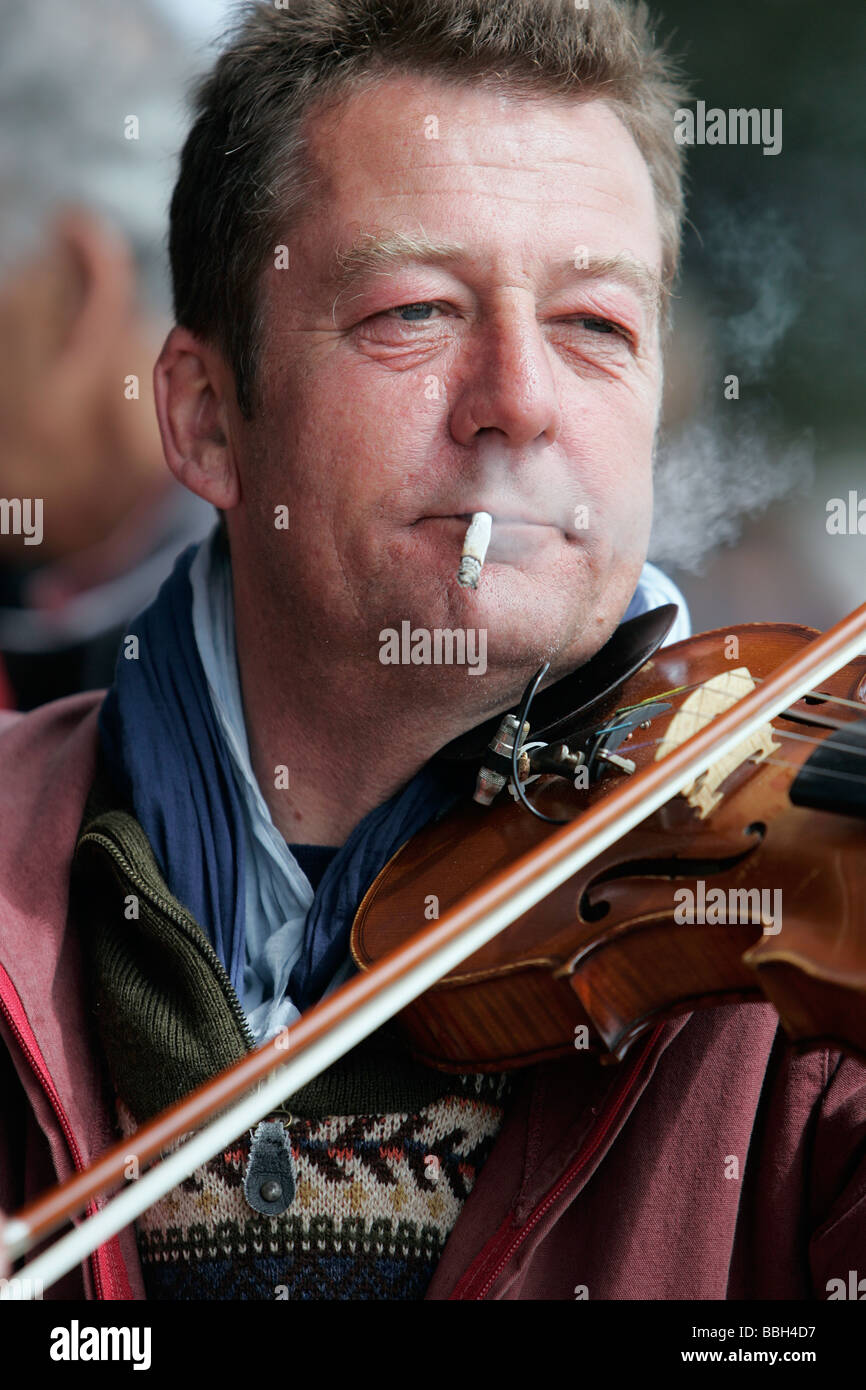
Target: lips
(499, 518)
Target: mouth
(517, 539)
(509, 519)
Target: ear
(99, 286)
(191, 386)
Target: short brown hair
(245, 171)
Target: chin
(522, 640)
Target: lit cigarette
(475, 545)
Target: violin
(747, 887)
(709, 799)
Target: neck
(329, 745)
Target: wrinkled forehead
(418, 154)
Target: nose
(506, 379)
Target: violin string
(751, 681)
(782, 762)
(822, 696)
(833, 699)
(821, 719)
(858, 752)
(825, 698)
(854, 749)
(837, 776)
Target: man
(406, 292)
(89, 103)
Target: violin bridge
(702, 705)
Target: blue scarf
(166, 755)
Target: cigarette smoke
(729, 460)
(709, 481)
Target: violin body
(732, 894)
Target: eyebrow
(375, 254)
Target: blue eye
(421, 312)
(411, 309)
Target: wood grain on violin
(608, 951)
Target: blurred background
(92, 115)
(772, 292)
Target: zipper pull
(269, 1182)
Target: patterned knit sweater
(375, 1198)
(349, 1191)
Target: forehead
(415, 153)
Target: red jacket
(712, 1163)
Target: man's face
(522, 379)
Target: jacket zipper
(43, 1076)
(591, 1144)
(187, 924)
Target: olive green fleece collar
(167, 1014)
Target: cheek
(615, 482)
(340, 438)
(626, 431)
(631, 511)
